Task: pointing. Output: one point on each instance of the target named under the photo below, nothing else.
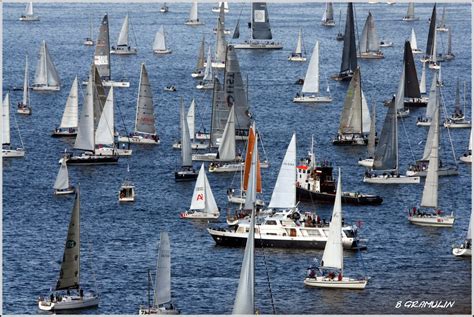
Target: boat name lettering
(70, 244)
(425, 304)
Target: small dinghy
(164, 8)
(170, 88)
(385, 43)
(24, 106)
(61, 185)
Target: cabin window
(292, 232)
(349, 233)
(271, 222)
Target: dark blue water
(405, 262)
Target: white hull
(386, 179)
(124, 51)
(127, 199)
(425, 123)
(197, 74)
(70, 190)
(158, 311)
(24, 110)
(325, 282)
(194, 214)
(432, 221)
(232, 167)
(442, 29)
(443, 171)
(371, 55)
(194, 23)
(410, 19)
(241, 200)
(297, 58)
(366, 162)
(466, 159)
(111, 83)
(328, 23)
(13, 153)
(207, 157)
(46, 88)
(206, 86)
(123, 152)
(162, 52)
(259, 45)
(386, 44)
(416, 51)
(312, 99)
(194, 146)
(207, 136)
(432, 65)
(217, 64)
(29, 18)
(461, 251)
(69, 303)
(462, 124)
(137, 139)
(88, 42)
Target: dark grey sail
(99, 95)
(349, 53)
(220, 113)
(386, 153)
(412, 87)
(236, 33)
(102, 50)
(260, 22)
(431, 33)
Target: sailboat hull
(138, 139)
(64, 133)
(467, 158)
(7, 153)
(197, 74)
(111, 83)
(442, 171)
(162, 52)
(194, 145)
(25, 110)
(70, 303)
(432, 220)
(232, 167)
(158, 311)
(462, 251)
(460, 124)
(124, 50)
(29, 18)
(67, 191)
(205, 86)
(388, 179)
(312, 99)
(347, 197)
(416, 102)
(297, 58)
(326, 282)
(45, 88)
(416, 51)
(90, 159)
(193, 23)
(256, 45)
(185, 175)
(366, 162)
(328, 23)
(350, 139)
(411, 19)
(88, 42)
(195, 214)
(240, 200)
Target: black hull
(412, 104)
(339, 77)
(349, 142)
(178, 177)
(93, 160)
(303, 194)
(63, 135)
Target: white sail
(365, 115)
(226, 151)
(145, 115)
(162, 293)
(299, 43)
(6, 119)
(198, 199)
(193, 14)
(244, 303)
(186, 150)
(62, 179)
(190, 118)
(413, 44)
(430, 112)
(46, 74)
(29, 9)
(123, 36)
(423, 80)
(434, 57)
(160, 40)
(210, 205)
(284, 193)
(311, 81)
(208, 71)
(468, 235)
(104, 134)
(430, 191)
(470, 140)
(70, 115)
(85, 131)
(333, 253)
(369, 41)
(400, 96)
(26, 85)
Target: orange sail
(248, 161)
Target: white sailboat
(225, 4)
(441, 27)
(162, 303)
(70, 118)
(7, 150)
(164, 8)
(208, 79)
(310, 90)
(430, 107)
(369, 44)
(193, 19)
(297, 55)
(199, 70)
(449, 54)
(198, 139)
(159, 45)
(457, 119)
(369, 161)
(186, 171)
(46, 76)
(145, 131)
(123, 43)
(410, 17)
(333, 256)
(385, 169)
(413, 43)
(29, 15)
(467, 156)
(203, 204)
(88, 41)
(61, 185)
(402, 111)
(260, 31)
(69, 276)
(126, 192)
(354, 124)
(433, 216)
(221, 43)
(328, 16)
(465, 249)
(24, 107)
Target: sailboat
(412, 92)
(24, 107)
(199, 70)
(95, 134)
(221, 43)
(28, 15)
(88, 41)
(410, 17)
(349, 56)
(434, 63)
(432, 217)
(457, 119)
(369, 44)
(441, 27)
(7, 151)
(198, 139)
(102, 57)
(354, 124)
(61, 185)
(260, 30)
(430, 53)
(465, 249)
(297, 55)
(369, 161)
(145, 131)
(467, 156)
(423, 79)
(162, 303)
(426, 120)
(164, 8)
(449, 54)
(46, 76)
(208, 79)
(69, 275)
(328, 16)
(339, 36)
(123, 44)
(186, 172)
(333, 256)
(159, 45)
(413, 44)
(310, 90)
(70, 118)
(225, 4)
(386, 154)
(402, 111)
(193, 16)
(203, 204)
(126, 192)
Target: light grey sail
(123, 36)
(70, 115)
(372, 135)
(85, 131)
(386, 153)
(186, 150)
(260, 22)
(102, 50)
(100, 97)
(162, 292)
(160, 40)
(145, 115)
(70, 265)
(62, 179)
(221, 43)
(411, 11)
(369, 41)
(400, 96)
(220, 113)
(6, 120)
(26, 85)
(46, 74)
(352, 116)
(430, 112)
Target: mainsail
(203, 199)
(193, 14)
(252, 140)
(369, 41)
(85, 131)
(328, 15)
(62, 179)
(208, 74)
(299, 43)
(414, 45)
(46, 74)
(226, 151)
(201, 57)
(260, 22)
(433, 102)
(349, 55)
(423, 80)
(412, 87)
(400, 96)
(186, 151)
(70, 265)
(160, 40)
(104, 134)
(145, 115)
(102, 50)
(410, 11)
(386, 153)
(162, 293)
(190, 118)
(431, 33)
(311, 81)
(123, 36)
(70, 115)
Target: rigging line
(447, 128)
(133, 31)
(18, 129)
(408, 139)
(272, 301)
